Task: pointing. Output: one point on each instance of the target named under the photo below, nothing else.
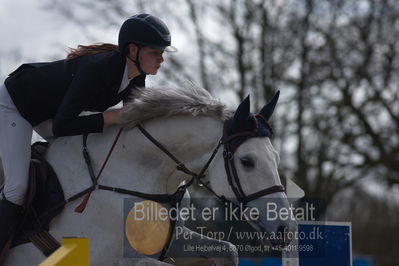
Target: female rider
(91, 78)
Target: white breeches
(15, 142)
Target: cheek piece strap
(137, 60)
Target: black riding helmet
(144, 30)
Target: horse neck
(65, 156)
(190, 139)
(136, 163)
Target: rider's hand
(113, 117)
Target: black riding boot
(10, 215)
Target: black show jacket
(61, 90)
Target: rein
(231, 172)
(228, 155)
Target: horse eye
(247, 162)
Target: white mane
(148, 103)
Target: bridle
(228, 155)
(230, 143)
(231, 171)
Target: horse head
(247, 172)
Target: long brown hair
(90, 49)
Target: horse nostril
(281, 237)
(282, 230)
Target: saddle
(44, 200)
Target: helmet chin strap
(137, 61)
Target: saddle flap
(45, 197)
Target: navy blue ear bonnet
(245, 125)
(256, 124)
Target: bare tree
(370, 235)
(335, 61)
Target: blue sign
(362, 261)
(318, 243)
(327, 244)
